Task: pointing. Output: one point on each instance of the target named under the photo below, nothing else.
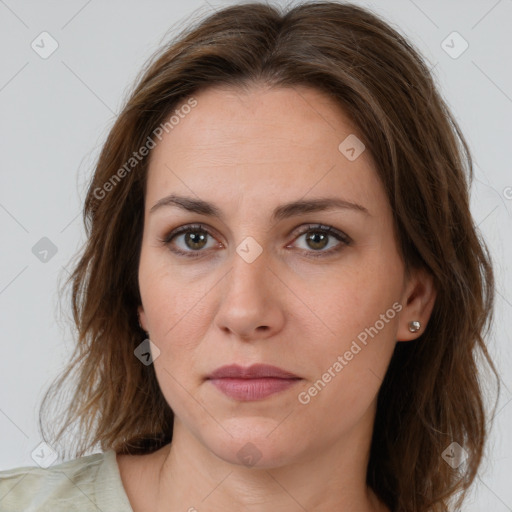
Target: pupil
(314, 238)
(196, 239)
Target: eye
(317, 238)
(192, 240)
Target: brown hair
(432, 394)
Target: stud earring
(414, 326)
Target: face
(317, 292)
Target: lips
(256, 371)
(256, 382)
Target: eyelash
(317, 228)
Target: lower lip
(252, 389)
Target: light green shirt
(86, 484)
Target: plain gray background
(56, 113)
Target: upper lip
(254, 371)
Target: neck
(189, 477)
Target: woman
(283, 293)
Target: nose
(251, 304)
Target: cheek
(348, 378)
(174, 301)
(353, 334)
(356, 298)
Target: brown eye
(192, 240)
(195, 241)
(318, 237)
(317, 240)
(189, 240)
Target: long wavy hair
(433, 393)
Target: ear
(142, 318)
(418, 301)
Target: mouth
(256, 382)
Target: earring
(414, 326)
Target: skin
(249, 152)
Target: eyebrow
(283, 211)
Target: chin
(255, 446)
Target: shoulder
(82, 484)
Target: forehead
(264, 143)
